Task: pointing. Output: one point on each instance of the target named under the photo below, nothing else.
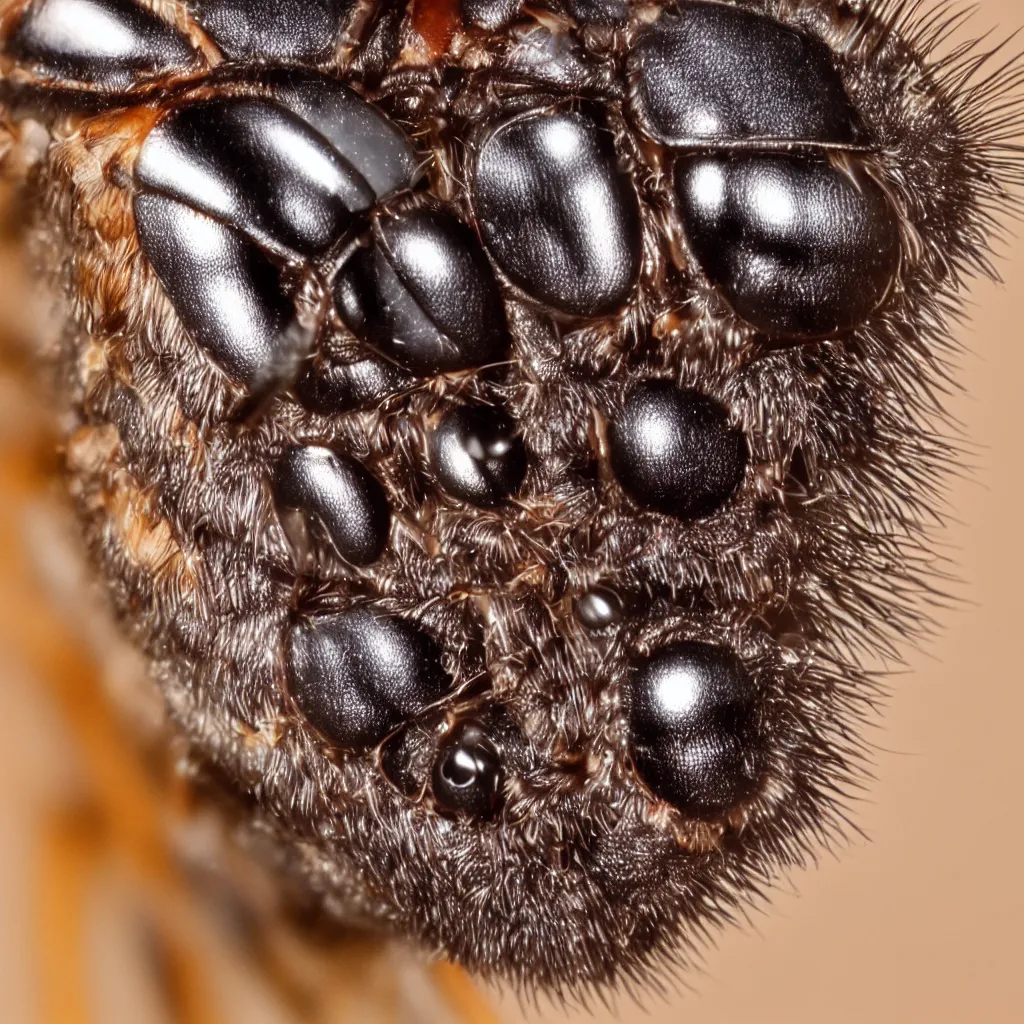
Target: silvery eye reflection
(695, 728)
(796, 246)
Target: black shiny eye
(282, 29)
(693, 719)
(718, 73)
(357, 675)
(672, 449)
(425, 295)
(795, 245)
(199, 262)
(599, 608)
(556, 214)
(340, 496)
(114, 42)
(468, 774)
(373, 146)
(203, 155)
(478, 455)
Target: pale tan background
(923, 921)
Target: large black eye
(693, 726)
(717, 73)
(556, 214)
(357, 675)
(114, 42)
(795, 245)
(425, 295)
(468, 775)
(226, 291)
(673, 450)
(372, 145)
(477, 455)
(490, 13)
(340, 496)
(203, 154)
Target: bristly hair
(822, 565)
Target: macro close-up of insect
(502, 451)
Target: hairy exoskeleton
(505, 427)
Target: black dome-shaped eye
(693, 727)
(204, 153)
(796, 246)
(556, 214)
(425, 295)
(468, 774)
(477, 455)
(598, 608)
(672, 449)
(340, 495)
(717, 73)
(358, 675)
(228, 294)
(115, 43)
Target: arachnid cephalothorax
(502, 425)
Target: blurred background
(920, 918)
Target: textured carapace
(503, 426)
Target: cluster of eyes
(751, 114)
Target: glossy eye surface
(796, 246)
(556, 214)
(203, 155)
(468, 775)
(425, 295)
(200, 263)
(343, 498)
(672, 449)
(356, 676)
(718, 73)
(108, 43)
(285, 29)
(333, 388)
(477, 455)
(599, 608)
(693, 723)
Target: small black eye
(477, 455)
(200, 262)
(357, 675)
(693, 721)
(340, 495)
(599, 608)
(333, 388)
(468, 774)
(673, 450)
